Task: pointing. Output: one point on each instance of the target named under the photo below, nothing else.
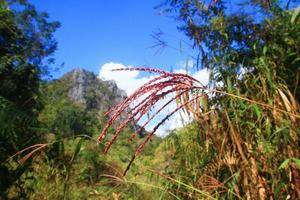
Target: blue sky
(99, 35)
(95, 32)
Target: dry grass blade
(209, 183)
(35, 148)
(27, 156)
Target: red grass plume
(144, 99)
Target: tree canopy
(231, 37)
(26, 42)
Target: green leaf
(257, 111)
(265, 49)
(284, 164)
(229, 84)
(295, 15)
(296, 161)
(77, 149)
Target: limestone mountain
(74, 104)
(85, 89)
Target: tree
(26, 44)
(26, 41)
(231, 36)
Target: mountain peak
(85, 88)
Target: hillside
(81, 92)
(86, 89)
(71, 119)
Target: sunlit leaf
(295, 15)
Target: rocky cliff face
(87, 89)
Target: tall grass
(246, 134)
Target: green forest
(78, 137)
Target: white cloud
(129, 81)
(202, 76)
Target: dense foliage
(25, 44)
(232, 36)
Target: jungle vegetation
(243, 141)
